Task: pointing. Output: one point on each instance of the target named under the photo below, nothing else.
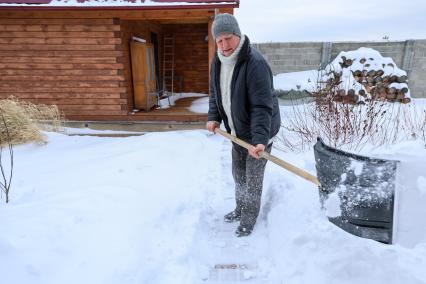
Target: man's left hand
(254, 151)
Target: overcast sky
(332, 20)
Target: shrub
(344, 125)
(24, 121)
(292, 94)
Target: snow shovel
(365, 188)
(271, 158)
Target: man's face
(227, 43)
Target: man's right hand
(212, 125)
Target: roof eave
(94, 8)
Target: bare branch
(6, 181)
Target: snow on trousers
(248, 174)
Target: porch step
(86, 128)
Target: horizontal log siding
(191, 56)
(74, 64)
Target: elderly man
(242, 98)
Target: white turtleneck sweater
(226, 71)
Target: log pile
(373, 82)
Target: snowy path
(227, 258)
(150, 209)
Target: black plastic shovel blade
(365, 188)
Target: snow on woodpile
(363, 75)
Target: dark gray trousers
(248, 174)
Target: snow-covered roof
(118, 3)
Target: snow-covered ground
(148, 209)
(172, 98)
(302, 80)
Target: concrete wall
(409, 55)
(417, 76)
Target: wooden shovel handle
(271, 158)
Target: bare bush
(351, 127)
(414, 122)
(358, 101)
(6, 179)
(22, 122)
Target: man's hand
(255, 150)
(212, 125)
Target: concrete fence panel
(409, 55)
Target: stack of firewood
(376, 85)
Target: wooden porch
(80, 59)
(179, 113)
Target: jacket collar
(245, 51)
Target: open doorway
(154, 41)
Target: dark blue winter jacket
(254, 105)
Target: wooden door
(143, 70)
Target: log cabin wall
(80, 60)
(83, 65)
(73, 63)
(191, 57)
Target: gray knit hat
(225, 23)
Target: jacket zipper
(233, 79)
(219, 103)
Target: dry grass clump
(24, 121)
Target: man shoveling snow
(242, 97)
